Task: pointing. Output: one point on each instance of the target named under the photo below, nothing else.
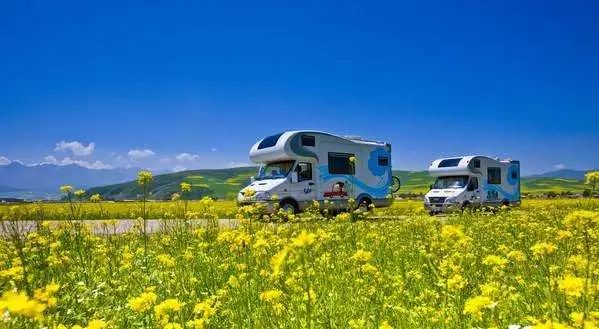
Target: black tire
(364, 203)
(395, 184)
(465, 205)
(289, 205)
(505, 203)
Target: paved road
(108, 227)
(103, 227)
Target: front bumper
(442, 207)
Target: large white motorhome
(297, 167)
(472, 181)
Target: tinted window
(269, 141)
(476, 163)
(340, 163)
(473, 184)
(304, 171)
(308, 140)
(494, 175)
(514, 174)
(383, 161)
(449, 162)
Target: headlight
(262, 196)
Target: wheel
(396, 184)
(289, 206)
(465, 205)
(364, 203)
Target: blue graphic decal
(373, 162)
(379, 191)
(512, 170)
(494, 191)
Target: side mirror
(470, 188)
(293, 177)
(430, 187)
(252, 179)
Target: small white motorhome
(297, 167)
(472, 181)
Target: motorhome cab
(297, 167)
(472, 180)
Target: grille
(436, 199)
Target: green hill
(216, 183)
(226, 183)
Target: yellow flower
(543, 248)
(271, 296)
(276, 262)
(96, 324)
(475, 305)
(304, 239)
(166, 260)
(362, 256)
(205, 308)
(166, 306)
(385, 325)
(494, 261)
(516, 255)
(582, 219)
(456, 282)
(144, 302)
(144, 177)
(185, 187)
(577, 318)
(452, 232)
(196, 323)
(571, 285)
(66, 189)
(172, 326)
(20, 304)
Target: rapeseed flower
(571, 285)
(475, 305)
(143, 302)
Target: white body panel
(489, 182)
(369, 180)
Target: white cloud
(234, 164)
(559, 166)
(213, 149)
(4, 160)
(68, 161)
(75, 147)
(178, 168)
(164, 160)
(140, 154)
(187, 157)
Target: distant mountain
(216, 183)
(4, 188)
(563, 174)
(44, 181)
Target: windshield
(278, 169)
(450, 182)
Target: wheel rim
(288, 207)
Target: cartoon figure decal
(337, 190)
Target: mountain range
(43, 181)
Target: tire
(364, 203)
(395, 184)
(465, 205)
(289, 205)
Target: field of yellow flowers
(529, 266)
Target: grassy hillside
(226, 183)
(216, 183)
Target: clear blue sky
(516, 79)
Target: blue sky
(148, 81)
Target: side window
(494, 175)
(473, 184)
(304, 171)
(514, 175)
(340, 163)
(383, 162)
(308, 140)
(476, 163)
